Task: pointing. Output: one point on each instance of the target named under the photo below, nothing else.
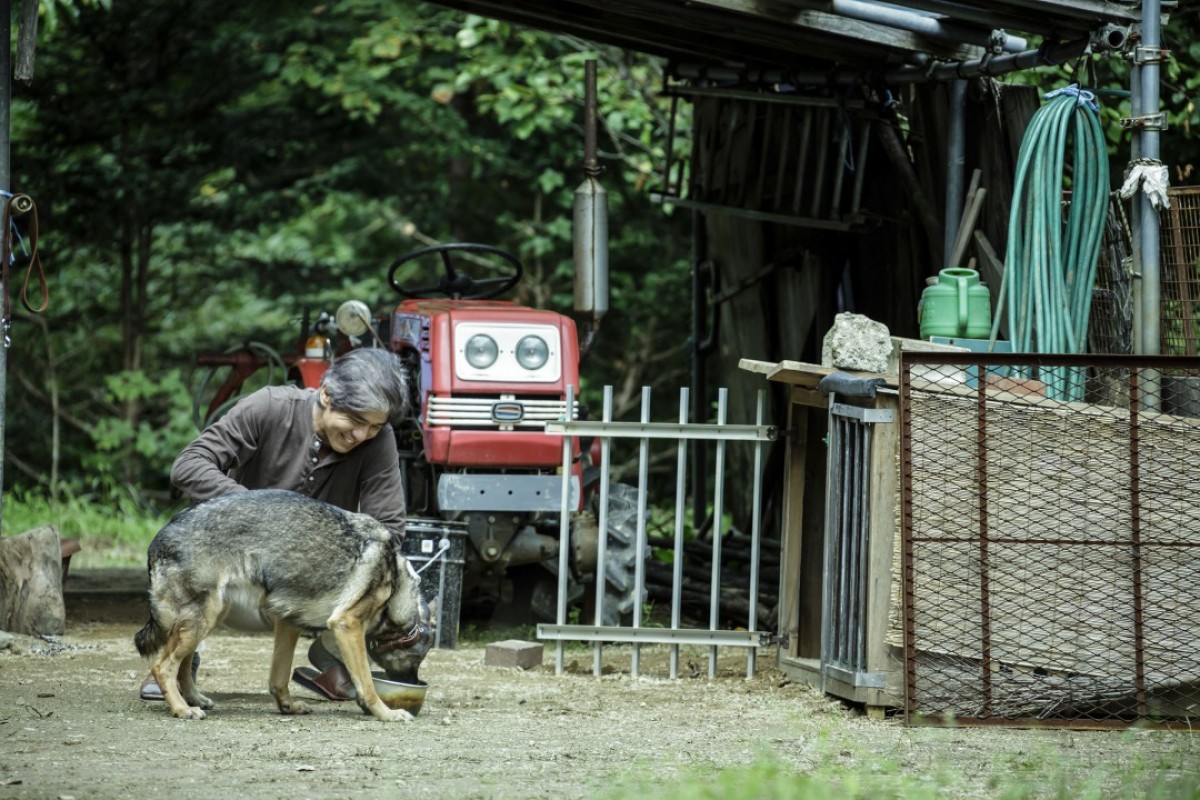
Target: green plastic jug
(958, 305)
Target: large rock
(31, 600)
(857, 342)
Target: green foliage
(155, 438)
(113, 529)
(1032, 775)
(209, 173)
(1108, 75)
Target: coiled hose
(1050, 263)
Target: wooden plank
(804, 374)
(991, 270)
(803, 396)
(963, 239)
(758, 367)
(792, 535)
(882, 544)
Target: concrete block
(513, 653)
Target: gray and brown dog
(291, 561)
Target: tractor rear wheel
(621, 557)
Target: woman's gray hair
(368, 379)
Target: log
(31, 600)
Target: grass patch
(1042, 775)
(111, 533)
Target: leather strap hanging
(14, 206)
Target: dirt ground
(71, 726)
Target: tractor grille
(496, 412)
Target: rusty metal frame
(1144, 378)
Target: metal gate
(844, 625)
(646, 433)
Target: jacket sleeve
(381, 487)
(202, 470)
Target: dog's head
(404, 635)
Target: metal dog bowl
(394, 694)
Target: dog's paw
(394, 715)
(294, 707)
(190, 712)
(198, 700)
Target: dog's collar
(404, 642)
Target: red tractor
(486, 375)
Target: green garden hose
(1050, 263)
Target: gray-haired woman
(334, 443)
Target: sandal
(332, 684)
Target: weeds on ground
(113, 533)
(1040, 775)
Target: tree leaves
(209, 171)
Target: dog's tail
(151, 638)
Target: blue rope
(1082, 96)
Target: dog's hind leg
(187, 686)
(286, 637)
(174, 660)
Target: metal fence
(639, 631)
(1180, 272)
(1050, 540)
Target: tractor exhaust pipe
(590, 228)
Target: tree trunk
(31, 600)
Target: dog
(299, 564)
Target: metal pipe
(602, 524)
(925, 25)
(1000, 65)
(1135, 209)
(1151, 286)
(639, 563)
(6, 185)
(714, 609)
(860, 165)
(590, 228)
(591, 166)
(699, 376)
(564, 538)
(924, 70)
(955, 161)
(755, 534)
(983, 15)
(680, 505)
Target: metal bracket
(1147, 54)
(869, 415)
(996, 41)
(1146, 122)
(766, 639)
(853, 677)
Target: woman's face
(345, 430)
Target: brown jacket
(266, 441)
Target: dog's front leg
(351, 640)
(281, 669)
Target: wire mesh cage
(1110, 324)
(1050, 546)
(1180, 272)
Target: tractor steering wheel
(456, 284)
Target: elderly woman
(334, 443)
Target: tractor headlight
(481, 351)
(532, 352)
